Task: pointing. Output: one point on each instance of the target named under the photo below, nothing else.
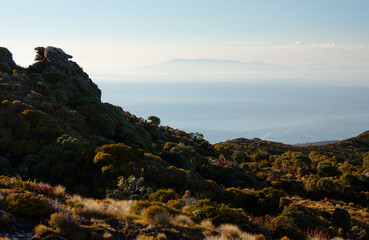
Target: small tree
(154, 120)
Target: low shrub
(341, 218)
(283, 226)
(28, 205)
(163, 195)
(140, 205)
(217, 213)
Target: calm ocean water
(283, 112)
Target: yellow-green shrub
(217, 213)
(283, 226)
(28, 205)
(140, 205)
(162, 195)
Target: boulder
(6, 60)
(54, 54)
(54, 59)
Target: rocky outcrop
(54, 58)
(6, 60)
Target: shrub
(303, 221)
(140, 205)
(162, 195)
(341, 218)
(217, 213)
(169, 145)
(130, 188)
(283, 226)
(260, 237)
(177, 204)
(28, 205)
(154, 120)
(5, 219)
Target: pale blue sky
(105, 37)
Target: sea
(291, 112)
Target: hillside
(76, 168)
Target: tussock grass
(230, 230)
(59, 191)
(102, 208)
(182, 220)
(226, 232)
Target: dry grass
(59, 191)
(123, 207)
(228, 232)
(207, 225)
(102, 209)
(75, 199)
(143, 237)
(182, 220)
(161, 236)
(41, 230)
(162, 218)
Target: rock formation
(6, 60)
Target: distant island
(74, 167)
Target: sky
(109, 37)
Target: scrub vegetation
(73, 167)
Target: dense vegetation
(56, 131)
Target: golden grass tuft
(182, 220)
(59, 191)
(230, 230)
(207, 225)
(161, 236)
(41, 229)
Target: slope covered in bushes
(55, 129)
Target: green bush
(217, 213)
(284, 226)
(163, 195)
(140, 205)
(302, 220)
(28, 205)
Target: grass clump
(59, 191)
(230, 230)
(42, 230)
(157, 215)
(182, 220)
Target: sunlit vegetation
(96, 171)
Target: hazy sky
(105, 37)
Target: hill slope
(55, 129)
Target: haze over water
(289, 112)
